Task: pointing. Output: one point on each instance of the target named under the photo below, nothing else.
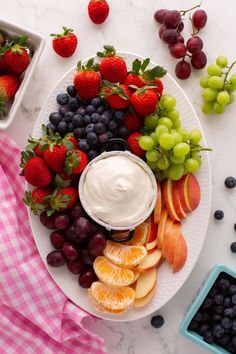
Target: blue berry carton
(198, 301)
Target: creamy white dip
(117, 190)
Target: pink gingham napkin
(35, 316)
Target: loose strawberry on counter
(112, 68)
(87, 80)
(98, 11)
(9, 85)
(64, 44)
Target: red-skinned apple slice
(151, 242)
(167, 194)
(161, 227)
(176, 202)
(146, 299)
(158, 206)
(180, 254)
(152, 260)
(193, 191)
(145, 282)
(170, 237)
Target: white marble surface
(130, 27)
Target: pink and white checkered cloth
(35, 316)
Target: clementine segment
(140, 235)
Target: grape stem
(227, 73)
(183, 12)
(200, 148)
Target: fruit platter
(118, 185)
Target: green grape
(231, 98)
(218, 108)
(146, 143)
(152, 155)
(176, 123)
(166, 141)
(208, 94)
(166, 172)
(204, 81)
(223, 98)
(177, 160)
(216, 82)
(151, 121)
(163, 163)
(165, 121)
(181, 149)
(176, 172)
(214, 70)
(195, 136)
(160, 129)
(152, 165)
(207, 107)
(195, 156)
(177, 136)
(173, 114)
(232, 80)
(184, 133)
(231, 87)
(154, 137)
(191, 165)
(222, 61)
(168, 102)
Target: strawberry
(98, 11)
(72, 139)
(75, 162)
(55, 157)
(64, 180)
(3, 68)
(65, 43)
(87, 81)
(134, 145)
(8, 86)
(134, 80)
(159, 86)
(116, 95)
(38, 199)
(38, 150)
(63, 198)
(112, 68)
(35, 169)
(144, 100)
(16, 55)
(133, 121)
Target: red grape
(180, 26)
(97, 243)
(199, 19)
(199, 60)
(87, 258)
(70, 252)
(82, 227)
(62, 221)
(47, 221)
(76, 266)
(183, 70)
(172, 19)
(76, 211)
(194, 44)
(87, 277)
(178, 50)
(179, 39)
(159, 15)
(56, 259)
(161, 30)
(169, 36)
(57, 239)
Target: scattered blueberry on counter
(219, 214)
(157, 321)
(230, 182)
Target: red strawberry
(98, 11)
(112, 68)
(64, 180)
(3, 68)
(87, 81)
(35, 169)
(63, 198)
(16, 55)
(117, 95)
(133, 122)
(144, 100)
(38, 150)
(8, 86)
(64, 44)
(38, 199)
(134, 145)
(72, 139)
(135, 80)
(55, 156)
(75, 162)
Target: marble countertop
(130, 27)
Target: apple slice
(193, 191)
(151, 261)
(146, 299)
(151, 242)
(158, 206)
(145, 283)
(170, 237)
(176, 202)
(167, 194)
(181, 186)
(161, 227)
(180, 255)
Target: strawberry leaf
(136, 66)
(145, 64)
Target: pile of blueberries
(215, 320)
(93, 122)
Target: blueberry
(112, 126)
(227, 302)
(90, 109)
(223, 284)
(233, 249)
(92, 138)
(208, 337)
(157, 321)
(232, 289)
(87, 119)
(62, 110)
(219, 299)
(62, 128)
(78, 120)
(207, 303)
(84, 145)
(219, 214)
(70, 127)
(107, 114)
(234, 325)
(95, 117)
(206, 317)
(51, 127)
(55, 118)
(229, 312)
(219, 309)
(234, 310)
(223, 340)
(71, 90)
(110, 135)
(230, 182)
(68, 116)
(99, 128)
(193, 325)
(81, 110)
(212, 292)
(233, 299)
(103, 119)
(216, 318)
(198, 317)
(62, 98)
(89, 128)
(85, 102)
(234, 227)
(100, 109)
(96, 102)
(92, 154)
(79, 133)
(73, 103)
(203, 328)
(119, 115)
(226, 322)
(123, 132)
(218, 331)
(102, 138)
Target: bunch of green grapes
(218, 87)
(170, 149)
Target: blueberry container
(196, 304)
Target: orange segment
(112, 299)
(101, 308)
(112, 274)
(123, 255)
(140, 235)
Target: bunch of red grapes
(77, 241)
(170, 33)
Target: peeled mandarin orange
(123, 255)
(101, 308)
(112, 274)
(140, 235)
